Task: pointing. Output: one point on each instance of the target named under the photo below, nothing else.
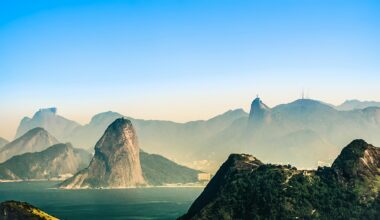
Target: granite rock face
(116, 163)
(35, 140)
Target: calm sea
(143, 203)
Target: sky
(182, 60)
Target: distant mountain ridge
(36, 139)
(246, 188)
(3, 142)
(270, 133)
(55, 162)
(48, 119)
(355, 104)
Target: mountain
(116, 163)
(157, 170)
(246, 188)
(56, 162)
(356, 104)
(311, 130)
(14, 210)
(87, 135)
(3, 142)
(260, 113)
(48, 119)
(166, 138)
(359, 161)
(36, 139)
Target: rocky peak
(236, 163)
(36, 139)
(259, 112)
(116, 163)
(358, 159)
(46, 111)
(242, 162)
(48, 119)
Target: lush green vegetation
(347, 190)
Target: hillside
(57, 161)
(246, 188)
(36, 139)
(14, 210)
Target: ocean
(137, 203)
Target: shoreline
(174, 185)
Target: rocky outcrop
(35, 140)
(14, 210)
(116, 163)
(259, 113)
(244, 188)
(59, 161)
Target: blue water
(143, 203)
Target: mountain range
(306, 132)
(246, 188)
(356, 104)
(37, 155)
(56, 162)
(36, 139)
(48, 119)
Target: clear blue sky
(185, 59)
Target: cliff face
(35, 140)
(58, 161)
(247, 189)
(116, 163)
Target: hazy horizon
(182, 60)
(87, 117)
